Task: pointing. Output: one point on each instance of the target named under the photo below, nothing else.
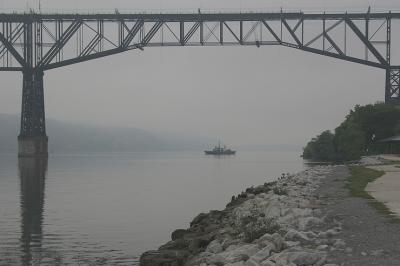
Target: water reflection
(32, 173)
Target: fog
(242, 95)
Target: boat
(220, 150)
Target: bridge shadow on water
(38, 247)
(32, 173)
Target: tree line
(357, 135)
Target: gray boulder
(214, 247)
(164, 257)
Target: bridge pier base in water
(32, 140)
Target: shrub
(256, 228)
(280, 191)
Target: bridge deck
(248, 16)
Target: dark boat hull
(220, 153)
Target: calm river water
(106, 209)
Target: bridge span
(34, 43)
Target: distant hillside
(70, 137)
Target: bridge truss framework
(34, 43)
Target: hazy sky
(242, 95)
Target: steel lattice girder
(39, 42)
(392, 94)
(64, 39)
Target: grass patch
(392, 162)
(358, 181)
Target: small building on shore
(390, 145)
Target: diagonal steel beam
(292, 33)
(337, 48)
(211, 32)
(84, 58)
(15, 34)
(12, 50)
(338, 56)
(298, 24)
(322, 34)
(171, 31)
(234, 35)
(271, 31)
(102, 35)
(61, 42)
(132, 33)
(152, 32)
(191, 32)
(92, 44)
(365, 40)
(252, 29)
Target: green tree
(357, 135)
(321, 148)
(350, 142)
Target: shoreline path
(386, 189)
(371, 238)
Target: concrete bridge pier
(32, 140)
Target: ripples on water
(35, 247)
(107, 209)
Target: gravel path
(370, 237)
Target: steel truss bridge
(33, 43)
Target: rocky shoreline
(304, 219)
(289, 222)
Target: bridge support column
(392, 93)
(32, 140)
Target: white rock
(284, 263)
(294, 235)
(290, 244)
(251, 262)
(262, 254)
(302, 212)
(279, 242)
(235, 254)
(250, 196)
(348, 250)
(268, 263)
(300, 258)
(239, 263)
(378, 252)
(307, 258)
(322, 247)
(214, 247)
(332, 232)
(231, 247)
(339, 243)
(307, 222)
(218, 259)
(263, 195)
(203, 257)
(266, 237)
